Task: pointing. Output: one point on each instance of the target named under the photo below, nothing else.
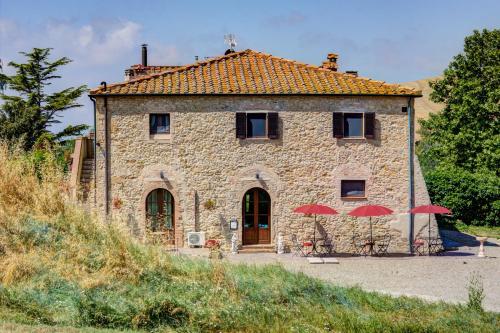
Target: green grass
(186, 295)
(62, 269)
(21, 328)
(476, 230)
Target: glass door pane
(263, 221)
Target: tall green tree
(466, 133)
(464, 138)
(27, 115)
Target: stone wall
(203, 160)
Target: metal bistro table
(434, 245)
(368, 248)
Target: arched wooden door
(256, 207)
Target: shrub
(474, 198)
(476, 292)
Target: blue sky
(394, 41)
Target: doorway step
(258, 248)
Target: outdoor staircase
(258, 248)
(82, 167)
(86, 177)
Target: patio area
(434, 278)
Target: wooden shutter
(338, 124)
(272, 125)
(241, 125)
(369, 125)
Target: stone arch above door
(246, 178)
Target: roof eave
(239, 95)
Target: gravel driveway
(432, 278)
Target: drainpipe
(106, 150)
(411, 181)
(95, 150)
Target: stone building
(249, 136)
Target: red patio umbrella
(316, 210)
(430, 209)
(370, 210)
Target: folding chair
(436, 246)
(359, 245)
(297, 247)
(327, 247)
(383, 245)
(418, 247)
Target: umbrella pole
(314, 232)
(429, 240)
(371, 235)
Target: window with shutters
(354, 125)
(257, 125)
(352, 189)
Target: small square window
(159, 123)
(256, 125)
(352, 189)
(353, 125)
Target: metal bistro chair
(359, 245)
(327, 247)
(383, 245)
(418, 247)
(436, 246)
(298, 247)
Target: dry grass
(35, 210)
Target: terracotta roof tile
(251, 72)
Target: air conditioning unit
(196, 238)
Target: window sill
(353, 198)
(260, 138)
(160, 137)
(353, 138)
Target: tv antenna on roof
(230, 40)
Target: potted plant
(209, 204)
(117, 203)
(214, 247)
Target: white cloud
(85, 35)
(93, 44)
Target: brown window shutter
(338, 124)
(241, 125)
(369, 125)
(272, 125)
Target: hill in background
(423, 105)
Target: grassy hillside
(60, 268)
(423, 105)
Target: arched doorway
(160, 211)
(256, 212)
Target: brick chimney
(331, 62)
(143, 68)
(353, 73)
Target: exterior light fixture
(257, 176)
(233, 223)
(162, 175)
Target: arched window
(160, 210)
